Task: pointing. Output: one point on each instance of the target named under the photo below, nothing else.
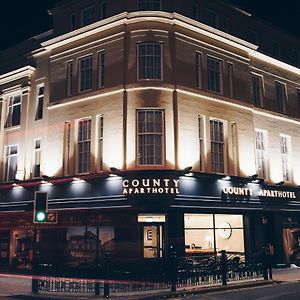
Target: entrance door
(153, 241)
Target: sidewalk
(19, 287)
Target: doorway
(153, 241)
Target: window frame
(8, 157)
(285, 155)
(85, 9)
(281, 98)
(11, 108)
(139, 62)
(201, 142)
(100, 125)
(148, 3)
(217, 166)
(209, 75)
(90, 87)
(260, 89)
(199, 69)
(36, 162)
(69, 77)
(40, 99)
(102, 9)
(261, 164)
(161, 134)
(101, 68)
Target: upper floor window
(101, 68)
(85, 73)
(87, 15)
(210, 17)
(150, 137)
(149, 4)
(103, 9)
(230, 79)
(69, 78)
(36, 172)
(100, 142)
(281, 96)
(14, 111)
(285, 157)
(260, 149)
(198, 59)
(196, 10)
(253, 37)
(84, 146)
(275, 49)
(201, 142)
(257, 90)
(67, 148)
(39, 102)
(72, 22)
(214, 74)
(217, 143)
(11, 162)
(149, 60)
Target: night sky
(22, 19)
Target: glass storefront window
(211, 233)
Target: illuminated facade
(107, 112)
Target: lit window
(217, 146)
(84, 146)
(150, 137)
(149, 60)
(87, 15)
(257, 90)
(101, 68)
(260, 148)
(230, 79)
(214, 74)
(14, 111)
(85, 73)
(210, 17)
(39, 102)
(103, 8)
(69, 78)
(285, 157)
(11, 163)
(100, 142)
(201, 142)
(199, 69)
(149, 5)
(37, 159)
(281, 96)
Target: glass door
(153, 241)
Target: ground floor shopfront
(145, 216)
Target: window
(39, 102)
(85, 73)
(100, 142)
(103, 7)
(67, 148)
(257, 90)
(11, 162)
(196, 11)
(260, 148)
(281, 96)
(234, 147)
(201, 143)
(199, 69)
(149, 5)
(208, 234)
(275, 49)
(214, 74)
(101, 68)
(230, 79)
(210, 17)
(252, 36)
(72, 24)
(69, 78)
(14, 111)
(149, 60)
(285, 157)
(217, 146)
(224, 24)
(150, 137)
(84, 145)
(87, 15)
(36, 172)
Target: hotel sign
(150, 186)
(242, 191)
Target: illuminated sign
(243, 191)
(150, 186)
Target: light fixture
(186, 170)
(280, 183)
(114, 171)
(76, 179)
(226, 178)
(46, 177)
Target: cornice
(26, 71)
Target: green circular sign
(41, 216)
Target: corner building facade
(150, 126)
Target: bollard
(106, 272)
(224, 267)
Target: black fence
(116, 276)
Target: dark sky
(21, 19)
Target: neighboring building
(151, 124)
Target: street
(286, 291)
